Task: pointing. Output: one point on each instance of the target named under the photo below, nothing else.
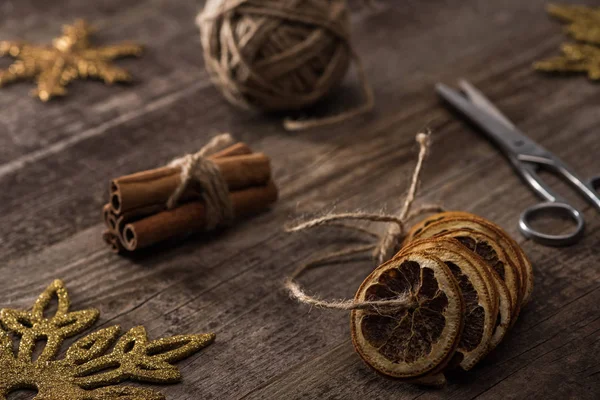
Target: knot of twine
(280, 55)
(201, 170)
(382, 251)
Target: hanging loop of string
(382, 250)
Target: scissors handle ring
(556, 208)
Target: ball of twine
(276, 55)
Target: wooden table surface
(56, 160)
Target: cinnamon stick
(113, 241)
(156, 186)
(136, 216)
(106, 213)
(191, 217)
(237, 149)
(115, 223)
(159, 180)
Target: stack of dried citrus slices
(465, 281)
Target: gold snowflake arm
(32, 326)
(12, 49)
(74, 36)
(124, 393)
(20, 69)
(119, 50)
(136, 358)
(102, 70)
(584, 22)
(17, 71)
(51, 82)
(5, 345)
(575, 58)
(92, 346)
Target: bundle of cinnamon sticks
(137, 216)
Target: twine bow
(215, 192)
(382, 251)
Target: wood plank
(167, 66)
(153, 129)
(53, 182)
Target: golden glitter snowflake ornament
(584, 22)
(89, 370)
(584, 25)
(71, 56)
(576, 57)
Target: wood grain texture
(56, 160)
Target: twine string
(369, 103)
(259, 64)
(381, 250)
(200, 169)
(391, 239)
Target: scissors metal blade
(520, 150)
(483, 102)
(514, 143)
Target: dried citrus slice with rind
(462, 219)
(513, 250)
(520, 260)
(454, 245)
(504, 318)
(416, 340)
(478, 291)
(526, 273)
(496, 250)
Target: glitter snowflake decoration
(70, 57)
(583, 22)
(583, 58)
(584, 26)
(94, 364)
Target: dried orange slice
(528, 276)
(415, 231)
(478, 291)
(513, 250)
(420, 339)
(496, 249)
(526, 272)
(471, 240)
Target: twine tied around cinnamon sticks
(194, 193)
(206, 173)
(382, 250)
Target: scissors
(527, 157)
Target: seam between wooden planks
(61, 145)
(298, 366)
